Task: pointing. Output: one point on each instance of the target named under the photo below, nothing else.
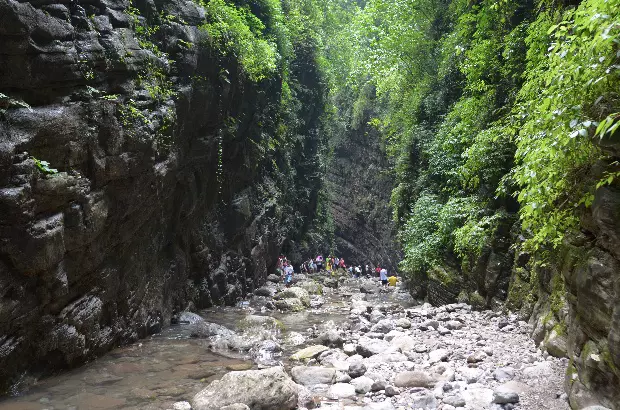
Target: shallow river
(163, 369)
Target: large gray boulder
(295, 293)
(313, 375)
(207, 329)
(268, 389)
(368, 347)
(414, 379)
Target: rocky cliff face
(577, 314)
(164, 195)
(360, 186)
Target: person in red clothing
(378, 270)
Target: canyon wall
(134, 175)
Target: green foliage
(480, 101)
(44, 166)
(237, 32)
(565, 95)
(131, 117)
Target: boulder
(556, 344)
(330, 283)
(295, 293)
(403, 343)
(368, 347)
(478, 397)
(356, 369)
(391, 391)
(341, 391)
(331, 338)
(311, 375)
(312, 287)
(439, 355)
(207, 329)
(265, 291)
(294, 339)
(414, 379)
(477, 357)
(404, 323)
(309, 352)
(505, 397)
(383, 326)
(454, 325)
(504, 374)
(362, 384)
(290, 304)
(268, 389)
(368, 288)
(188, 318)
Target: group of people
(331, 264)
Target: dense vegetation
(493, 113)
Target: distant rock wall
(360, 186)
(162, 198)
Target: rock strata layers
(162, 199)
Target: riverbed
(173, 366)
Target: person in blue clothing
(288, 274)
(383, 276)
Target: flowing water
(165, 368)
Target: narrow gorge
(160, 160)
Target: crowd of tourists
(333, 265)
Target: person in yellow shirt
(392, 280)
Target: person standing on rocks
(383, 276)
(392, 280)
(288, 274)
(319, 262)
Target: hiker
(358, 271)
(383, 276)
(392, 280)
(329, 264)
(342, 265)
(319, 262)
(288, 274)
(378, 270)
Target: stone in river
(268, 389)
(309, 352)
(310, 375)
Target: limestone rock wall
(360, 187)
(577, 311)
(161, 198)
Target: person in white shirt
(383, 276)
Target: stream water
(168, 367)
